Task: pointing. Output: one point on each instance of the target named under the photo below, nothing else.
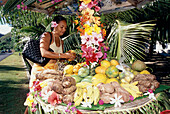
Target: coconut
(138, 65)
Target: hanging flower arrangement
(91, 31)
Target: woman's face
(61, 28)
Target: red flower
(78, 112)
(165, 112)
(90, 55)
(54, 99)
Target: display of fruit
(83, 72)
(112, 72)
(100, 70)
(112, 80)
(105, 63)
(114, 62)
(132, 89)
(138, 65)
(99, 78)
(68, 69)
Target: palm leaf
(129, 40)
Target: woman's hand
(70, 56)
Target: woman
(58, 27)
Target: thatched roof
(70, 7)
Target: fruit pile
(115, 77)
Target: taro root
(68, 98)
(146, 82)
(69, 90)
(68, 81)
(107, 91)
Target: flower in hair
(54, 24)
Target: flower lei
(91, 32)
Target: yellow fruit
(111, 80)
(144, 72)
(114, 62)
(68, 69)
(105, 63)
(100, 69)
(76, 68)
(99, 78)
(112, 72)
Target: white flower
(47, 108)
(46, 95)
(93, 64)
(151, 95)
(117, 100)
(86, 104)
(120, 67)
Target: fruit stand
(100, 83)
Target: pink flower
(54, 24)
(101, 102)
(97, 38)
(105, 56)
(82, 6)
(150, 91)
(54, 99)
(33, 109)
(131, 97)
(22, 3)
(25, 7)
(94, 4)
(40, 0)
(18, 6)
(90, 55)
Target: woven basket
(132, 107)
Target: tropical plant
(129, 40)
(158, 10)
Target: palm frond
(129, 40)
(72, 42)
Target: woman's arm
(44, 46)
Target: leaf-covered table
(139, 105)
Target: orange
(114, 62)
(105, 63)
(100, 69)
(99, 78)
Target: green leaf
(161, 88)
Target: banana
(132, 89)
(96, 94)
(78, 93)
(83, 84)
(78, 101)
(85, 94)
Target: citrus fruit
(112, 72)
(114, 62)
(111, 80)
(100, 69)
(105, 63)
(99, 78)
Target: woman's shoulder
(46, 34)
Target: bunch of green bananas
(86, 92)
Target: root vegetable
(69, 90)
(68, 81)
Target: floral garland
(91, 31)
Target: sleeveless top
(55, 48)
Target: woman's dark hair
(57, 19)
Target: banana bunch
(86, 92)
(132, 89)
